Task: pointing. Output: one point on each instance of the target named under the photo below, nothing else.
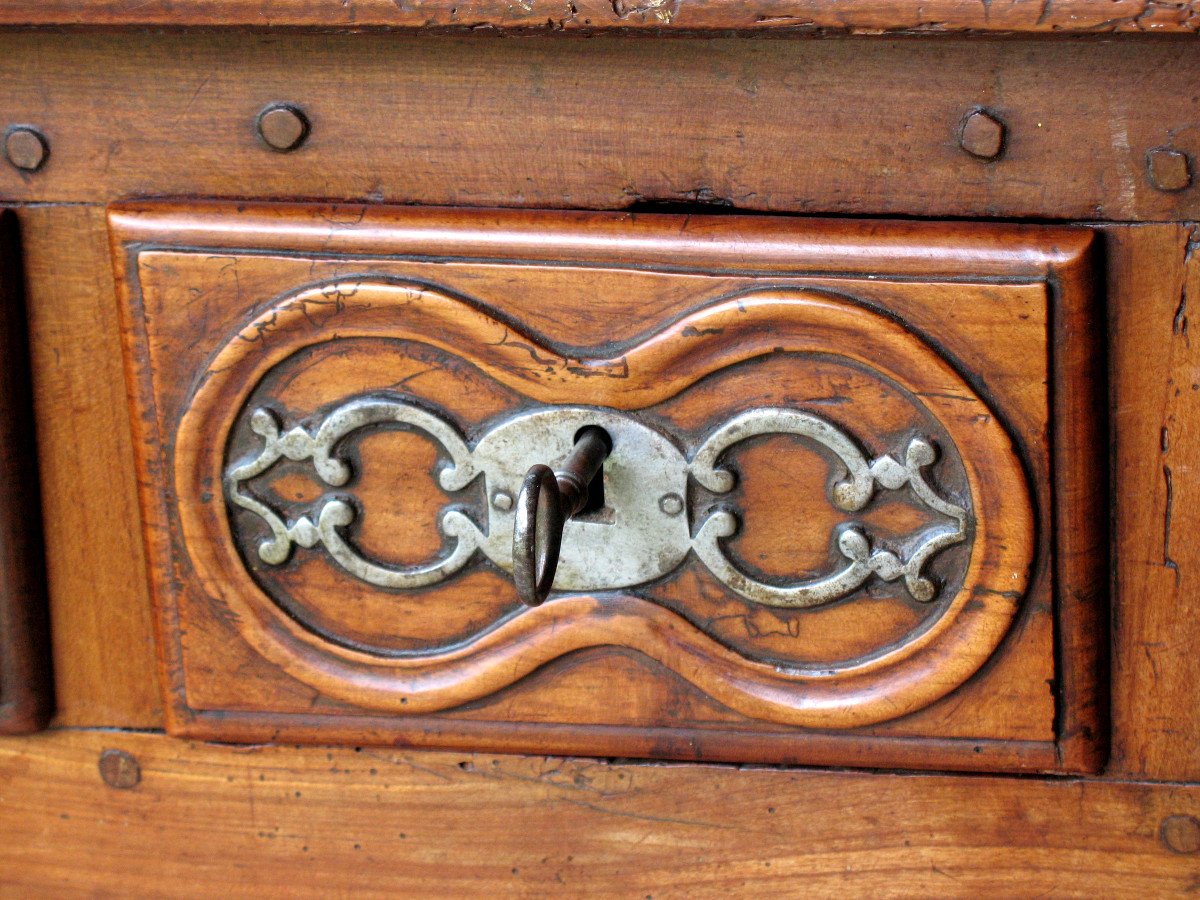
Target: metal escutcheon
(641, 531)
(540, 527)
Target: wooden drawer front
(850, 515)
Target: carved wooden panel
(26, 692)
(850, 514)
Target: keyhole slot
(595, 497)
(594, 508)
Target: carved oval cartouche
(648, 525)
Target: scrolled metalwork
(653, 530)
(299, 445)
(852, 493)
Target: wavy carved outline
(890, 684)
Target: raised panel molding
(884, 440)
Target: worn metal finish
(850, 494)
(283, 127)
(537, 535)
(982, 135)
(334, 514)
(26, 148)
(120, 769)
(1180, 834)
(671, 504)
(641, 533)
(1168, 169)
(628, 542)
(547, 501)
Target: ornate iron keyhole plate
(648, 527)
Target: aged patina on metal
(548, 499)
(639, 534)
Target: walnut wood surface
(188, 271)
(661, 16)
(853, 126)
(26, 686)
(101, 625)
(828, 126)
(386, 822)
(1155, 273)
(660, 367)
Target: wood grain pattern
(1080, 484)
(101, 623)
(664, 364)
(840, 127)
(209, 320)
(26, 688)
(856, 127)
(393, 822)
(1155, 278)
(659, 16)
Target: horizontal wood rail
(162, 817)
(852, 16)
